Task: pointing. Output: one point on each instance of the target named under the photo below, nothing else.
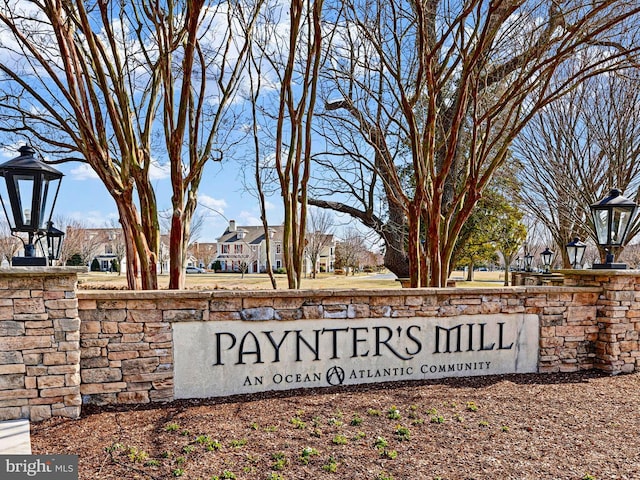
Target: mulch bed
(564, 426)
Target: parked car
(195, 270)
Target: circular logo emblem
(335, 376)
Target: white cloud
(159, 172)
(249, 218)
(210, 203)
(93, 218)
(83, 172)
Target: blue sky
(84, 197)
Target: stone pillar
(618, 316)
(39, 343)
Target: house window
(225, 248)
(278, 264)
(108, 249)
(278, 248)
(237, 248)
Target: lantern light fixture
(575, 252)
(547, 257)
(32, 189)
(612, 217)
(528, 258)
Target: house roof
(253, 235)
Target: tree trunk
(470, 268)
(141, 267)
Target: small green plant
(335, 422)
(417, 421)
(185, 433)
(472, 407)
(271, 428)
(588, 476)
(432, 411)
(373, 412)
(238, 443)
(178, 472)
(402, 433)
(203, 439)
(331, 466)
(307, 453)
(137, 455)
(356, 420)
(483, 423)
(360, 435)
(280, 461)
(114, 447)
(381, 442)
(275, 476)
(437, 419)
(316, 432)
(384, 476)
(171, 427)
(393, 413)
(180, 460)
(390, 454)
(152, 463)
(228, 475)
(166, 454)
(296, 422)
(505, 428)
(459, 418)
(213, 445)
(254, 426)
(340, 440)
(188, 449)
(413, 412)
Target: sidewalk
(15, 437)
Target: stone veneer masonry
(115, 347)
(39, 343)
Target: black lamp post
(518, 264)
(32, 189)
(612, 217)
(575, 252)
(54, 242)
(528, 258)
(547, 256)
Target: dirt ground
(563, 426)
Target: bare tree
(205, 253)
(588, 142)
(351, 251)
(80, 240)
(120, 84)
(293, 50)
(452, 84)
(319, 236)
(9, 244)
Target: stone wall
(39, 343)
(60, 347)
(127, 342)
(617, 343)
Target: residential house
(104, 245)
(202, 254)
(245, 248)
